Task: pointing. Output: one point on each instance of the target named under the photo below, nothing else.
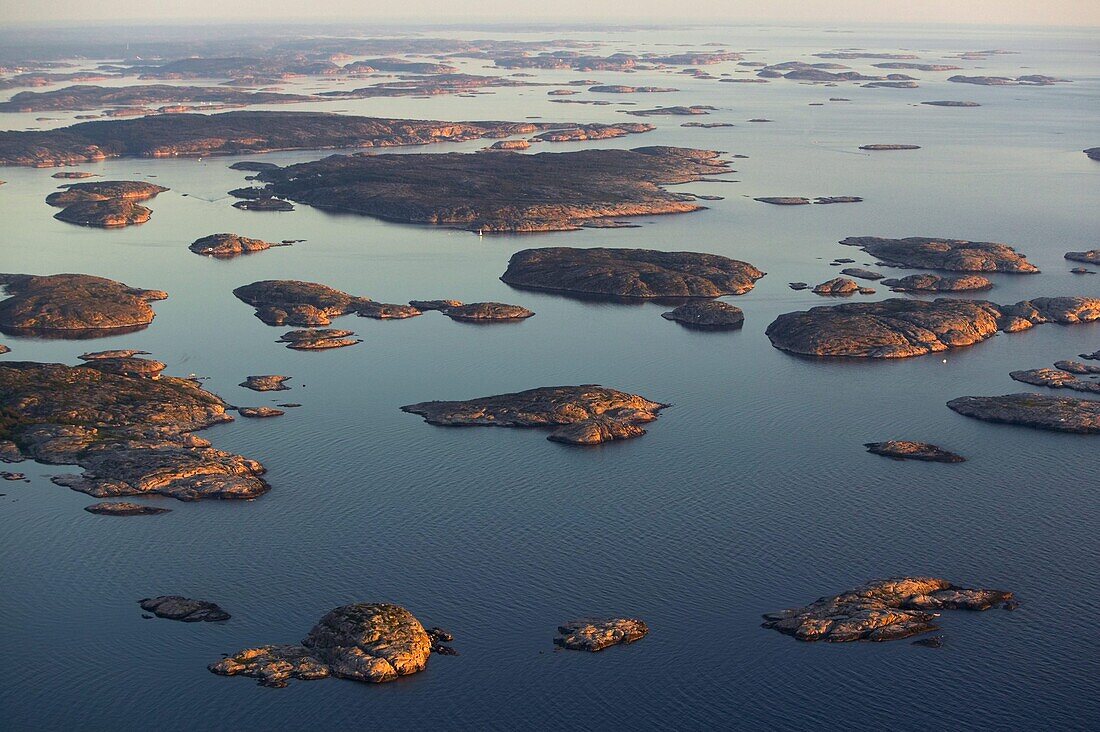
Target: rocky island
(235, 133)
(175, 607)
(293, 302)
(1092, 256)
(131, 435)
(906, 450)
(938, 283)
(73, 306)
(502, 192)
(883, 610)
(707, 315)
(899, 328)
(371, 642)
(1058, 414)
(224, 246)
(955, 255)
(629, 273)
(580, 415)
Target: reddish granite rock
(387, 311)
(318, 339)
(486, 312)
(898, 328)
(883, 610)
(74, 305)
(1055, 379)
(229, 245)
(111, 214)
(145, 368)
(955, 255)
(938, 283)
(269, 382)
(259, 412)
(105, 190)
(599, 633)
(589, 410)
(634, 273)
(889, 147)
(371, 642)
(510, 144)
(293, 302)
(837, 286)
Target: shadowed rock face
(937, 283)
(905, 450)
(174, 607)
(955, 255)
(642, 273)
(596, 634)
(292, 302)
(1092, 256)
(707, 314)
(883, 610)
(499, 192)
(233, 133)
(1060, 414)
(74, 305)
(370, 642)
(588, 414)
(897, 328)
(228, 245)
(124, 508)
(130, 435)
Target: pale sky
(833, 12)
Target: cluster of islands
(132, 431)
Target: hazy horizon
(980, 12)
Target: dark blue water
(750, 494)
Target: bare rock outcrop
(1059, 414)
(956, 255)
(224, 246)
(293, 302)
(906, 450)
(633, 273)
(938, 283)
(266, 382)
(370, 642)
(318, 339)
(707, 315)
(883, 610)
(175, 607)
(73, 305)
(124, 508)
(596, 634)
(591, 413)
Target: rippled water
(752, 493)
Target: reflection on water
(752, 491)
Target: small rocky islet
(125, 508)
(883, 610)
(938, 283)
(906, 450)
(596, 634)
(184, 609)
(577, 415)
(707, 315)
(900, 328)
(318, 339)
(629, 273)
(104, 204)
(368, 642)
(73, 306)
(225, 246)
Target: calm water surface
(752, 493)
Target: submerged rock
(882, 610)
(641, 273)
(905, 450)
(707, 314)
(370, 642)
(1060, 414)
(132, 436)
(956, 255)
(597, 634)
(899, 328)
(74, 305)
(292, 302)
(266, 382)
(228, 245)
(124, 508)
(594, 413)
(174, 607)
(938, 283)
